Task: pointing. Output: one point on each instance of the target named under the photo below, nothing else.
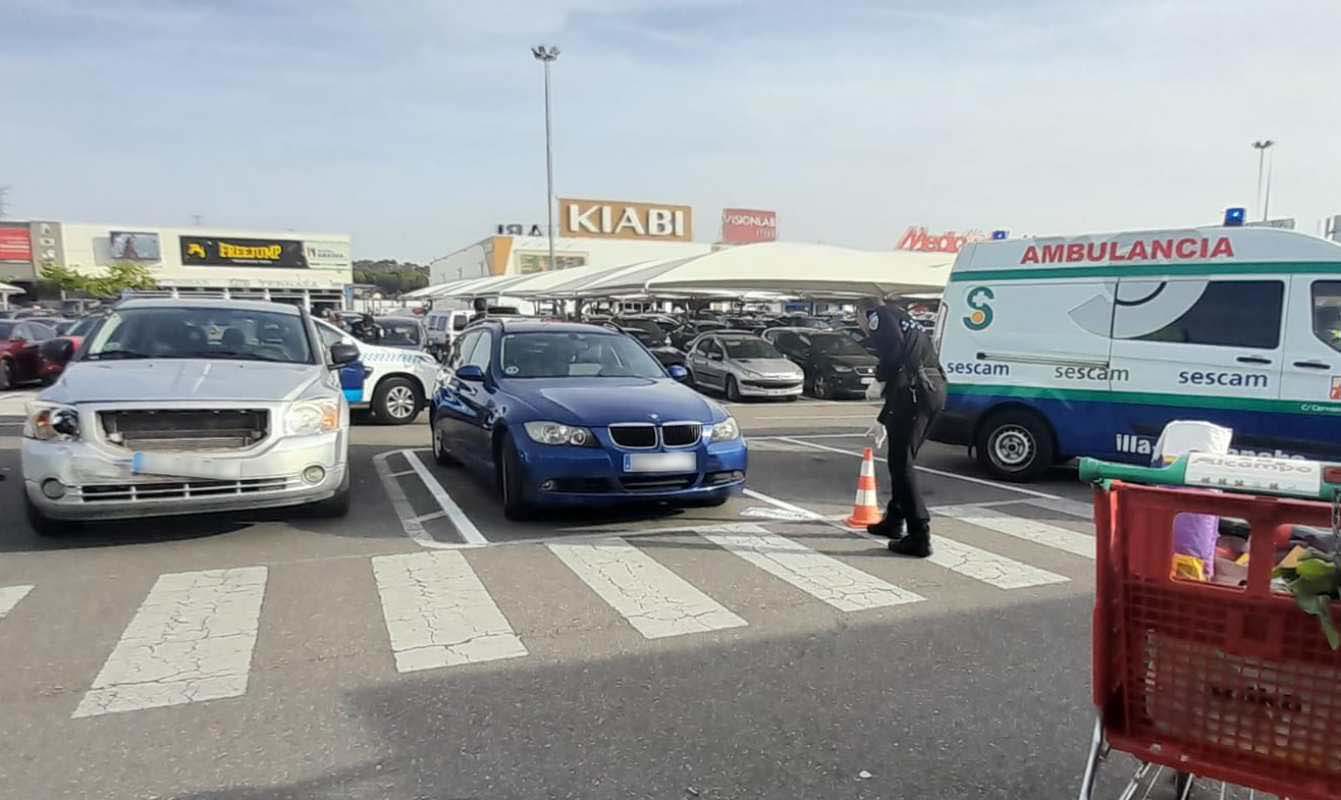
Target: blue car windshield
(575, 355)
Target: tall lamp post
(1261, 147)
(547, 55)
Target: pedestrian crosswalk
(194, 635)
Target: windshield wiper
(110, 354)
(235, 354)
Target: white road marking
(823, 577)
(438, 613)
(654, 600)
(805, 436)
(764, 444)
(1030, 530)
(458, 517)
(191, 640)
(999, 571)
(10, 597)
(982, 481)
(409, 521)
(1061, 505)
(783, 504)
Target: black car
(835, 366)
(682, 336)
(654, 340)
(801, 321)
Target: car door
(714, 366)
(450, 412)
(476, 425)
(1310, 422)
(26, 355)
(1198, 348)
(696, 359)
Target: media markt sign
(617, 219)
(327, 255)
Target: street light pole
(547, 55)
(1262, 146)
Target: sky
(418, 126)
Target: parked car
(740, 365)
(683, 336)
(406, 333)
(394, 383)
(801, 321)
(444, 325)
(185, 406)
(834, 365)
(567, 414)
(653, 338)
(21, 359)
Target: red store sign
(16, 244)
(917, 238)
(748, 226)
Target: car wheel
(6, 375)
(1015, 445)
(43, 525)
(732, 389)
(337, 505)
(440, 452)
(822, 389)
(510, 481)
(396, 401)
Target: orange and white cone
(866, 508)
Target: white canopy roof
(8, 289)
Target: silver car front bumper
(98, 483)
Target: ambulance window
(1327, 312)
(1229, 314)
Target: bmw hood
(613, 400)
(171, 379)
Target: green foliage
(115, 280)
(391, 277)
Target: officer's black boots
(916, 544)
(891, 527)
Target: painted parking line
(449, 507)
(654, 600)
(1030, 530)
(411, 521)
(191, 640)
(438, 613)
(10, 597)
(823, 577)
(802, 513)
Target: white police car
(393, 383)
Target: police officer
(914, 394)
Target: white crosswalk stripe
(654, 600)
(191, 640)
(823, 577)
(1030, 530)
(438, 613)
(10, 597)
(990, 568)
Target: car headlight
(725, 431)
(312, 416)
(51, 421)
(558, 434)
(841, 368)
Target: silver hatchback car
(189, 406)
(740, 364)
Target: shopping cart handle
(1284, 477)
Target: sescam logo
(981, 316)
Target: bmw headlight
(725, 431)
(558, 434)
(51, 421)
(312, 416)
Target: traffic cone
(866, 508)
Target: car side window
(329, 336)
(462, 348)
(1327, 313)
(21, 332)
(1217, 318)
(42, 332)
(482, 352)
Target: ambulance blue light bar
(1234, 217)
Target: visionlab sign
(747, 226)
(617, 219)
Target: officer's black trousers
(906, 432)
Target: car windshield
(575, 355)
(399, 332)
(836, 344)
(750, 348)
(199, 332)
(83, 327)
(5, 329)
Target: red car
(21, 358)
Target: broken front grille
(181, 490)
(194, 429)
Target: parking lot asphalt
(425, 646)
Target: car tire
(732, 389)
(441, 454)
(43, 525)
(396, 401)
(821, 389)
(6, 375)
(510, 481)
(337, 505)
(1015, 445)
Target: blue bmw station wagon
(569, 414)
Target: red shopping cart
(1228, 683)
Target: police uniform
(914, 394)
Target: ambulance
(1087, 346)
(391, 382)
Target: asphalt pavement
(426, 647)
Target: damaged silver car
(185, 407)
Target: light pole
(547, 55)
(1261, 147)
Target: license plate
(867, 381)
(660, 462)
(180, 465)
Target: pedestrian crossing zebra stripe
(10, 597)
(1029, 530)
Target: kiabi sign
(614, 219)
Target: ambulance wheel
(396, 401)
(1015, 445)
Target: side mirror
(678, 372)
(344, 353)
(470, 372)
(58, 351)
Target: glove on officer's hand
(875, 391)
(876, 433)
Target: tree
(117, 279)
